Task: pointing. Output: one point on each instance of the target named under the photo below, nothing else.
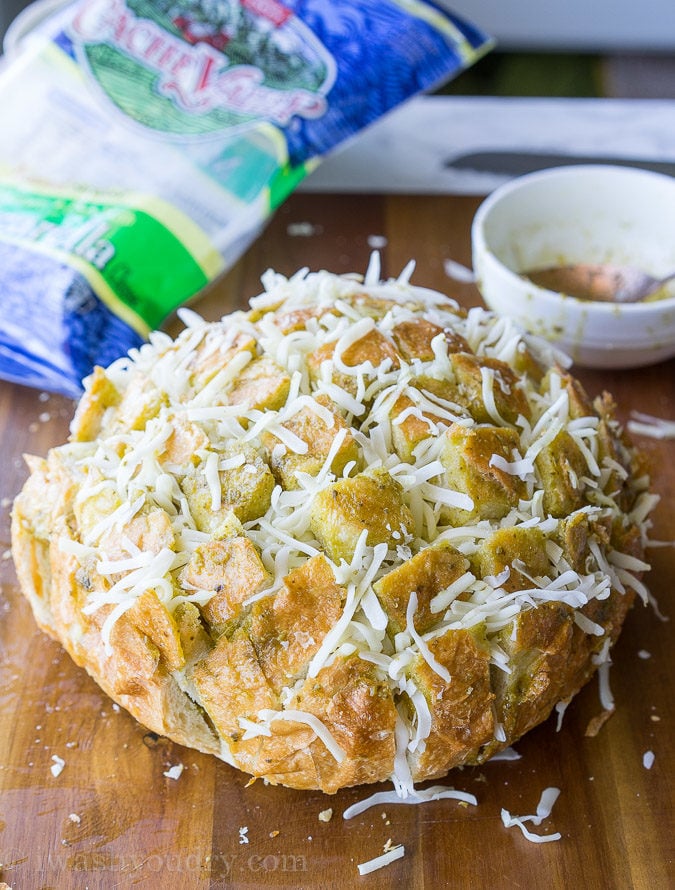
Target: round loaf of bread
(355, 533)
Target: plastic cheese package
(145, 142)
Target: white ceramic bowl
(596, 214)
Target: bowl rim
(479, 240)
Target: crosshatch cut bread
(354, 533)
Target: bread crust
(293, 664)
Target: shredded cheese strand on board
(419, 796)
(544, 809)
(653, 427)
(398, 852)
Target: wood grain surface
(112, 818)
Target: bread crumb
(57, 767)
(274, 833)
(644, 654)
(596, 723)
(648, 759)
(655, 718)
(73, 817)
(243, 831)
(326, 815)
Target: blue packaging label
(169, 130)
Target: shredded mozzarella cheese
(422, 645)
(398, 852)
(544, 809)
(418, 796)
(317, 726)
(653, 427)
(135, 471)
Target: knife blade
(517, 163)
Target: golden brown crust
(461, 708)
(134, 675)
(459, 568)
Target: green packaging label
(195, 69)
(143, 267)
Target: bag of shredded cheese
(145, 142)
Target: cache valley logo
(198, 68)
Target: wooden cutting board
(112, 818)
